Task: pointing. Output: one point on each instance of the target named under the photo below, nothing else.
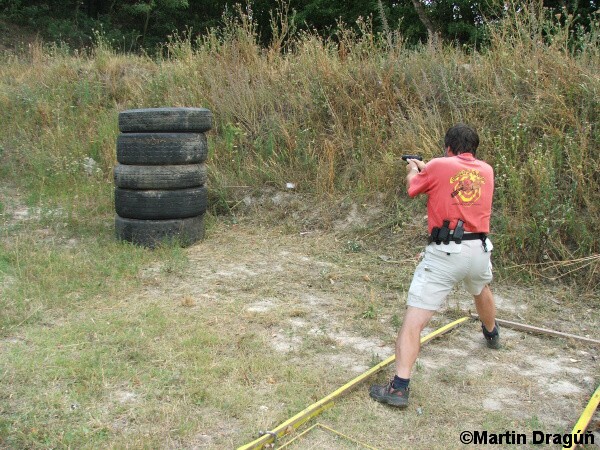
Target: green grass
(74, 309)
(66, 334)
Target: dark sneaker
(387, 394)
(491, 339)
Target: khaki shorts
(445, 265)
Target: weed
(418, 366)
(353, 246)
(369, 313)
(375, 359)
(534, 423)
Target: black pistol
(405, 157)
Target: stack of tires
(160, 192)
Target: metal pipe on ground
(327, 402)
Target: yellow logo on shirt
(467, 186)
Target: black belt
(472, 236)
(465, 237)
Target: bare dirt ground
(327, 301)
(293, 287)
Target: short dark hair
(462, 138)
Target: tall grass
(332, 116)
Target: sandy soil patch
(305, 291)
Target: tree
(432, 30)
(151, 21)
(162, 10)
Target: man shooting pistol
(459, 188)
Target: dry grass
(332, 116)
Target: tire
(160, 204)
(179, 120)
(151, 233)
(159, 177)
(157, 149)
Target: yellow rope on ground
(347, 437)
(299, 435)
(325, 427)
(586, 416)
(326, 402)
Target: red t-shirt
(458, 187)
